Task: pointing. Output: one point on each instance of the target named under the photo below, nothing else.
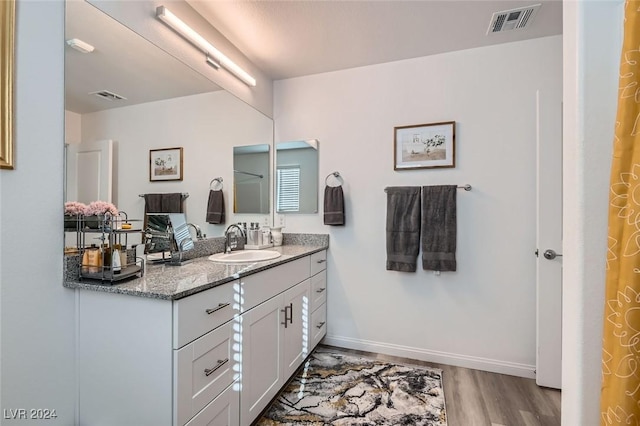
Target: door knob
(550, 254)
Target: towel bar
(184, 195)
(466, 187)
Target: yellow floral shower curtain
(620, 397)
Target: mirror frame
(7, 59)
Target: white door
(89, 171)
(549, 240)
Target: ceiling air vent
(105, 94)
(512, 19)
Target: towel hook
(335, 175)
(218, 180)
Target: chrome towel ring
(337, 177)
(216, 182)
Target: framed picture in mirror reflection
(165, 164)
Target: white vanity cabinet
(217, 357)
(274, 334)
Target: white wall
(36, 312)
(207, 126)
(482, 316)
(592, 40)
(72, 127)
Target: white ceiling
(295, 38)
(141, 72)
(285, 39)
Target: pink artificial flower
(74, 208)
(101, 207)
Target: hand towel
(439, 225)
(333, 205)
(162, 203)
(215, 207)
(403, 228)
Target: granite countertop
(162, 281)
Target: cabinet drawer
(203, 369)
(222, 411)
(318, 262)
(318, 325)
(196, 315)
(318, 290)
(262, 286)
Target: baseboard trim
(477, 363)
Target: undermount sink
(244, 256)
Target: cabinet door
(295, 344)
(261, 376)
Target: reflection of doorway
(549, 240)
(89, 172)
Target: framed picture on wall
(425, 146)
(165, 164)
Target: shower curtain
(620, 395)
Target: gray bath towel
(162, 203)
(439, 228)
(333, 205)
(215, 207)
(403, 228)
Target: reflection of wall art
(425, 146)
(165, 164)
(7, 38)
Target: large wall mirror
(296, 176)
(148, 100)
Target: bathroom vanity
(200, 344)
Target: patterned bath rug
(340, 389)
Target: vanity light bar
(187, 32)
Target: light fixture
(196, 39)
(80, 45)
(213, 62)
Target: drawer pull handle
(321, 260)
(286, 317)
(320, 290)
(221, 362)
(320, 324)
(220, 306)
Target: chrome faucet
(231, 238)
(197, 229)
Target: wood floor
(479, 398)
